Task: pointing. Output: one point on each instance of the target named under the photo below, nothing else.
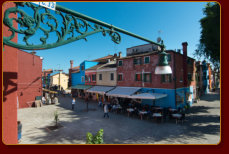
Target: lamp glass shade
(163, 70)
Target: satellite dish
(158, 39)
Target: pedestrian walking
(43, 100)
(86, 101)
(73, 103)
(100, 102)
(106, 111)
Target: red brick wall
(10, 75)
(29, 78)
(90, 74)
(129, 70)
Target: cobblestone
(202, 125)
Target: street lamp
(163, 66)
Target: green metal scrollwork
(73, 28)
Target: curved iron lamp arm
(75, 27)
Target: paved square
(202, 125)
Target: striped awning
(148, 96)
(81, 87)
(100, 89)
(125, 92)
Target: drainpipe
(175, 78)
(185, 74)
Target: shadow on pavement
(120, 129)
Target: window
(112, 76)
(146, 60)
(94, 77)
(100, 77)
(86, 78)
(89, 78)
(138, 77)
(120, 62)
(82, 78)
(137, 61)
(169, 57)
(120, 77)
(82, 67)
(166, 78)
(147, 77)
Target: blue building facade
(183, 96)
(79, 77)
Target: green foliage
(56, 117)
(96, 139)
(209, 46)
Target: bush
(96, 139)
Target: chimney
(120, 54)
(185, 66)
(33, 53)
(71, 62)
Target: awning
(81, 87)
(49, 91)
(148, 96)
(100, 89)
(125, 92)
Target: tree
(209, 46)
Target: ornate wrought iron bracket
(75, 26)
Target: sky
(174, 22)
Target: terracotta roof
(139, 55)
(48, 70)
(112, 64)
(95, 67)
(104, 58)
(77, 67)
(75, 71)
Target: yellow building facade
(60, 79)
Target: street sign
(49, 5)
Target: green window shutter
(146, 60)
(169, 57)
(135, 61)
(144, 77)
(120, 63)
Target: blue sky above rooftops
(177, 22)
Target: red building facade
(21, 82)
(90, 77)
(10, 78)
(138, 71)
(29, 78)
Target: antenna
(159, 38)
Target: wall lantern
(163, 66)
